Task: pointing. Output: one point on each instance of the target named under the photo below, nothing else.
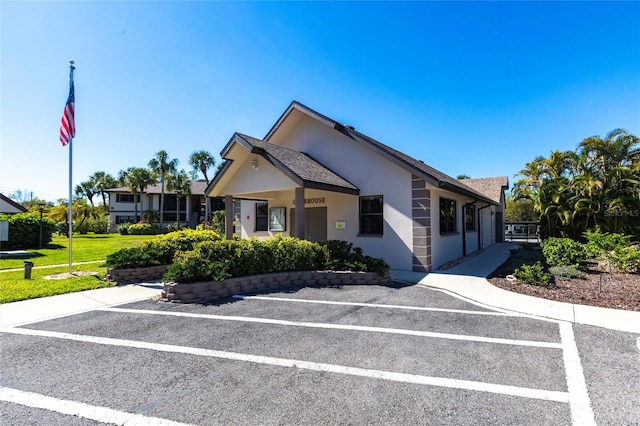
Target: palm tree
(162, 167)
(86, 189)
(101, 182)
(137, 179)
(202, 161)
(180, 183)
(615, 161)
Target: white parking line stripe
(496, 340)
(579, 402)
(484, 305)
(307, 365)
(79, 409)
(376, 305)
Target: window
(470, 218)
(127, 198)
(277, 219)
(262, 217)
(126, 219)
(447, 216)
(371, 218)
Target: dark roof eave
(330, 188)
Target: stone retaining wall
(136, 275)
(210, 290)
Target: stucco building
(314, 178)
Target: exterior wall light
(254, 164)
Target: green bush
(567, 272)
(123, 228)
(563, 252)
(217, 260)
(143, 228)
(161, 250)
(98, 225)
(24, 231)
(626, 259)
(599, 245)
(533, 274)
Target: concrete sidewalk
(44, 308)
(468, 280)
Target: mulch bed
(600, 288)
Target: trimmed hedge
(159, 251)
(24, 231)
(218, 260)
(197, 255)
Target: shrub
(567, 272)
(600, 245)
(142, 228)
(97, 225)
(533, 274)
(563, 252)
(626, 259)
(159, 251)
(24, 230)
(220, 259)
(123, 228)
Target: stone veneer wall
(209, 290)
(136, 275)
(421, 215)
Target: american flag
(68, 123)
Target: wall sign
(316, 200)
(341, 224)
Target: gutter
(479, 222)
(464, 226)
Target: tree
(202, 161)
(463, 177)
(518, 210)
(86, 189)
(137, 179)
(101, 182)
(179, 181)
(597, 185)
(162, 167)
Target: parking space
(347, 355)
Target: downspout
(464, 225)
(479, 222)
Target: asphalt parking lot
(347, 355)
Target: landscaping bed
(598, 288)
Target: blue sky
(470, 88)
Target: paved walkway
(466, 280)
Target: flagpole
(70, 217)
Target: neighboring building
(193, 209)
(8, 206)
(353, 188)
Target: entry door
(315, 223)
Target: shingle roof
(492, 187)
(444, 181)
(411, 164)
(299, 166)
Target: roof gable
(414, 166)
(18, 208)
(492, 187)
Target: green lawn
(86, 248)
